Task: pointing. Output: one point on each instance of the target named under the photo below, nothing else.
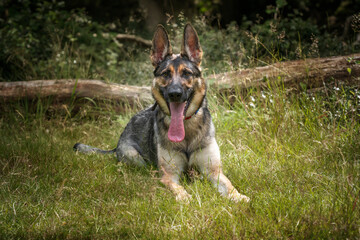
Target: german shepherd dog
(177, 131)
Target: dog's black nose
(175, 94)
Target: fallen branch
(311, 73)
(140, 40)
(65, 89)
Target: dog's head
(178, 87)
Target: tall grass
(300, 169)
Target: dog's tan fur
(145, 139)
(171, 159)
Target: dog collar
(192, 115)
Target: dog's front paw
(237, 197)
(183, 197)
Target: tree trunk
(309, 73)
(66, 88)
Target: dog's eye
(166, 74)
(186, 73)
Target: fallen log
(78, 88)
(312, 73)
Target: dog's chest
(198, 132)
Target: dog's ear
(191, 46)
(160, 46)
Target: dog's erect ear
(160, 46)
(191, 46)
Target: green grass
(300, 169)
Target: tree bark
(66, 88)
(309, 73)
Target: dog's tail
(79, 147)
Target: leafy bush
(42, 40)
(276, 39)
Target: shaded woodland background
(77, 39)
(333, 14)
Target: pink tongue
(176, 131)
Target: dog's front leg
(224, 186)
(209, 163)
(172, 164)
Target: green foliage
(207, 7)
(261, 42)
(285, 38)
(42, 40)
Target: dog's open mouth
(176, 131)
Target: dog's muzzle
(176, 93)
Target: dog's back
(139, 135)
